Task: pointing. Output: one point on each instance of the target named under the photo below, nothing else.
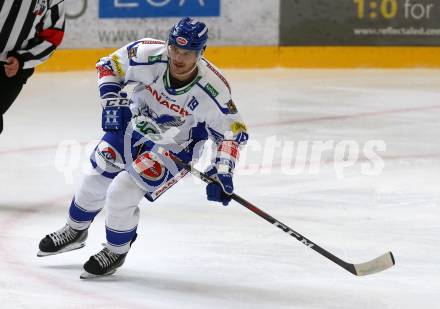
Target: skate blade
(65, 249)
(87, 275)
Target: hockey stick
(376, 265)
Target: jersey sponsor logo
(238, 127)
(106, 157)
(108, 153)
(153, 59)
(231, 107)
(218, 74)
(181, 41)
(165, 96)
(149, 166)
(211, 90)
(146, 127)
(118, 66)
(172, 106)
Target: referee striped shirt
(30, 30)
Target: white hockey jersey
(207, 99)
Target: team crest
(149, 166)
(132, 52)
(231, 107)
(40, 7)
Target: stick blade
(376, 265)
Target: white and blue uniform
(122, 176)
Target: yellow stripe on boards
(74, 59)
(272, 56)
(360, 57)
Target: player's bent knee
(93, 189)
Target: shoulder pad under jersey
(216, 86)
(214, 76)
(146, 51)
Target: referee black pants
(10, 88)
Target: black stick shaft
(305, 241)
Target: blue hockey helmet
(189, 34)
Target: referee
(30, 31)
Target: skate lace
(105, 257)
(63, 235)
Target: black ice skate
(104, 263)
(63, 240)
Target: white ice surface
(195, 254)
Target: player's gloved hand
(220, 191)
(116, 112)
(184, 155)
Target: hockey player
(179, 100)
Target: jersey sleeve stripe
(218, 74)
